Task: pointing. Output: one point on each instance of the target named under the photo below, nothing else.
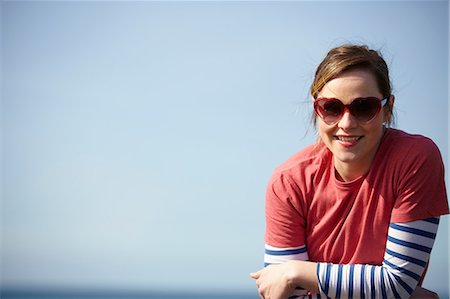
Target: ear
(389, 109)
(391, 101)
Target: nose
(347, 121)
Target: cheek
(375, 131)
(325, 131)
(320, 130)
(377, 124)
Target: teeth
(349, 139)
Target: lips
(348, 138)
(348, 141)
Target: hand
(421, 293)
(275, 281)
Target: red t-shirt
(347, 222)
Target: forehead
(352, 84)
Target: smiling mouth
(348, 138)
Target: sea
(79, 295)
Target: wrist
(302, 274)
(294, 274)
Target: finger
(258, 283)
(255, 275)
(261, 294)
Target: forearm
(406, 256)
(407, 253)
(304, 275)
(299, 271)
(291, 258)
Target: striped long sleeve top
(407, 252)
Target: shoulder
(407, 145)
(419, 180)
(406, 155)
(302, 166)
(293, 181)
(308, 158)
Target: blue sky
(138, 137)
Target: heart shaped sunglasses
(363, 110)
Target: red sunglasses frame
(348, 107)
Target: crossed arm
(407, 252)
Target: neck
(347, 172)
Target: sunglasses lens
(365, 109)
(330, 110)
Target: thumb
(255, 275)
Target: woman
(356, 214)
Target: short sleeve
(421, 190)
(285, 214)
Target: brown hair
(351, 57)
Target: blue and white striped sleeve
(407, 252)
(277, 255)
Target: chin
(346, 157)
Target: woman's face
(353, 144)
